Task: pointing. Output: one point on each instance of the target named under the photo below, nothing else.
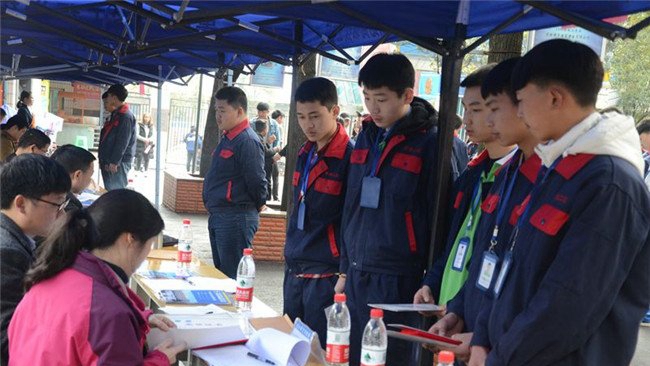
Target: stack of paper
(201, 331)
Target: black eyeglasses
(60, 206)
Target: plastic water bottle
(245, 278)
(374, 341)
(446, 358)
(338, 333)
(184, 257)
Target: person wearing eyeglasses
(33, 141)
(33, 196)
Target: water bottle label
(371, 357)
(338, 347)
(244, 289)
(184, 257)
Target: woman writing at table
(78, 309)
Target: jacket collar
(530, 168)
(235, 131)
(335, 148)
(8, 224)
(479, 158)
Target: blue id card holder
(503, 273)
(370, 191)
(488, 266)
(302, 209)
(461, 252)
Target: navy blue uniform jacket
(394, 238)
(469, 301)
(462, 197)
(236, 178)
(578, 285)
(117, 138)
(316, 249)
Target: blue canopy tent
(156, 41)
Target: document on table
(267, 344)
(194, 310)
(201, 331)
(406, 307)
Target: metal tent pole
(198, 120)
(158, 136)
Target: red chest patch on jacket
(359, 156)
(490, 203)
(459, 199)
(296, 178)
(549, 219)
(328, 186)
(226, 154)
(410, 163)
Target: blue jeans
(116, 180)
(231, 231)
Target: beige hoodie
(599, 134)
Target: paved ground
(268, 282)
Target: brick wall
(268, 243)
(182, 194)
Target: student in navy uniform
(469, 191)
(387, 213)
(512, 184)
(312, 248)
(460, 158)
(234, 191)
(574, 282)
(117, 139)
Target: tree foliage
(630, 71)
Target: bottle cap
(339, 298)
(186, 221)
(446, 357)
(248, 251)
(376, 313)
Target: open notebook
(201, 331)
(279, 348)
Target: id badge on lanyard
(302, 205)
(461, 253)
(503, 273)
(488, 266)
(371, 186)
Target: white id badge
(503, 273)
(461, 252)
(488, 265)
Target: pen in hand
(257, 357)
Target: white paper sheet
(194, 310)
(406, 307)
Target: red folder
(417, 335)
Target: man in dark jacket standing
(388, 206)
(33, 195)
(117, 139)
(234, 190)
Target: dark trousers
(190, 156)
(140, 160)
(116, 180)
(231, 231)
(363, 288)
(268, 170)
(276, 176)
(307, 298)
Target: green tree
(630, 71)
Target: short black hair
(260, 125)
(277, 113)
(344, 115)
(34, 136)
(498, 80)
(574, 65)
(261, 106)
(119, 91)
(643, 126)
(393, 71)
(3, 112)
(234, 96)
(16, 120)
(104, 95)
(73, 158)
(458, 122)
(319, 90)
(476, 77)
(32, 176)
(611, 108)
